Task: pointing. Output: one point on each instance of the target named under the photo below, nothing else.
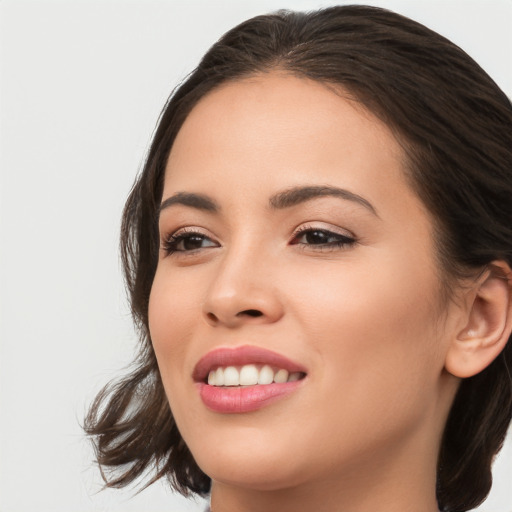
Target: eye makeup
(317, 237)
(186, 240)
(190, 240)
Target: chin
(253, 460)
(263, 475)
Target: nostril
(227, 319)
(211, 317)
(250, 312)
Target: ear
(488, 323)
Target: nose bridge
(242, 288)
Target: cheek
(373, 332)
(171, 326)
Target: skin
(367, 319)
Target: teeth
(249, 375)
(231, 376)
(266, 375)
(219, 377)
(294, 376)
(281, 376)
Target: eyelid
(331, 239)
(187, 230)
(172, 237)
(322, 226)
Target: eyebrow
(297, 195)
(199, 201)
(286, 199)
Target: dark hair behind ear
(455, 126)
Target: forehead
(275, 131)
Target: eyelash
(171, 243)
(340, 241)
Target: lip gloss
(240, 399)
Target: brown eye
(187, 242)
(322, 237)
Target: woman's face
(288, 226)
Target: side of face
(346, 284)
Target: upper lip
(239, 356)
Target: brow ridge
(194, 200)
(285, 199)
(301, 194)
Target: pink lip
(245, 398)
(238, 356)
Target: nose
(243, 291)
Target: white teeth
(249, 375)
(294, 376)
(231, 376)
(281, 376)
(266, 375)
(219, 377)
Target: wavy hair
(455, 126)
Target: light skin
(341, 276)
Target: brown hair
(455, 126)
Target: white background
(81, 86)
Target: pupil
(192, 242)
(316, 237)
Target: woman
(318, 254)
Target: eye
(322, 238)
(185, 240)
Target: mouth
(246, 365)
(251, 375)
(245, 379)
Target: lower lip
(244, 399)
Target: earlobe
(488, 323)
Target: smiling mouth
(246, 378)
(251, 375)
(246, 365)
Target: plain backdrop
(81, 86)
